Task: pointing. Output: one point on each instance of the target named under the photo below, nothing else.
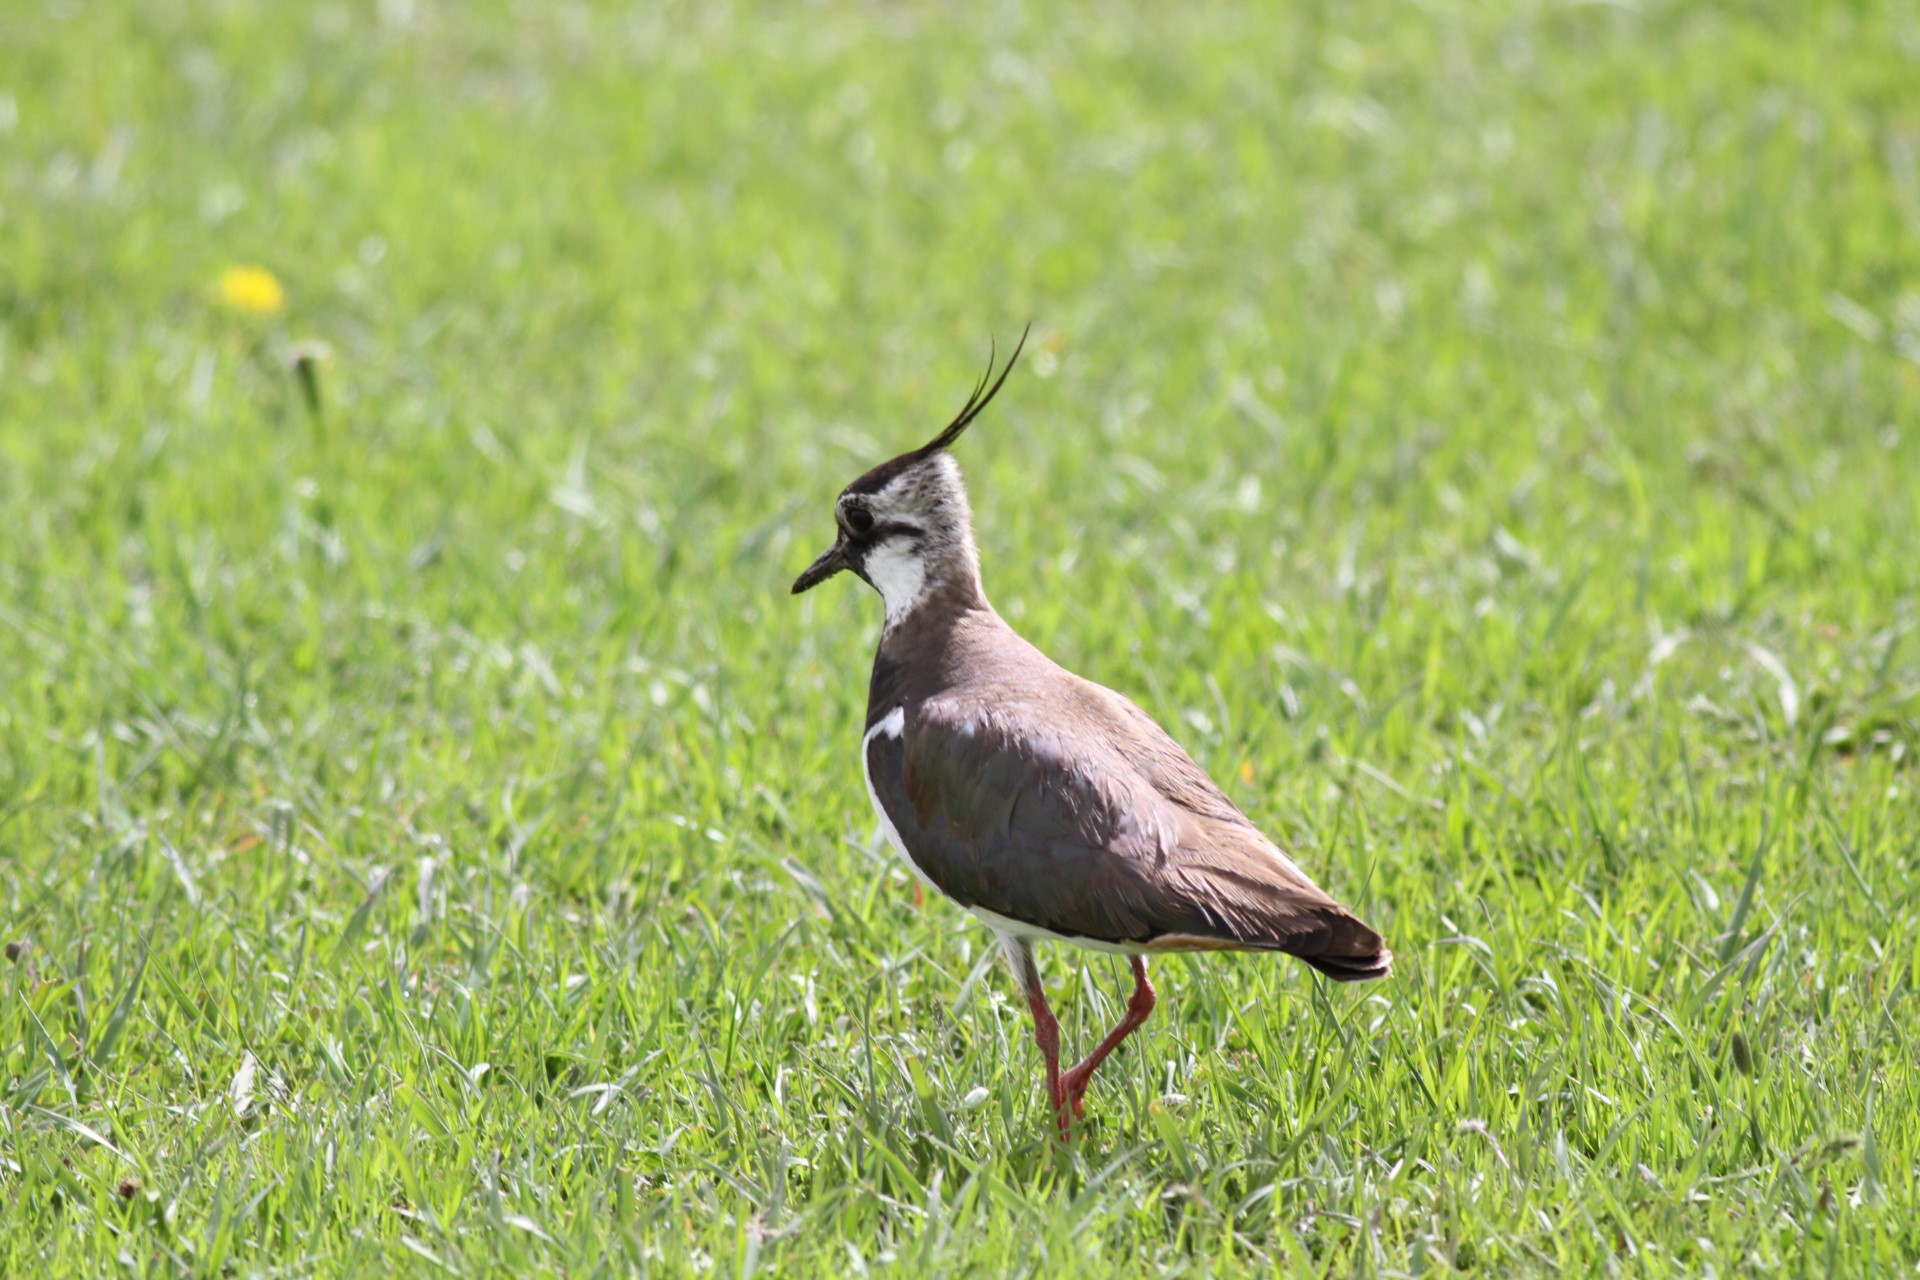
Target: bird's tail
(1354, 968)
(1342, 947)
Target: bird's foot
(1074, 1086)
(1066, 1109)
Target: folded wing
(1101, 828)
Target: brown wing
(1097, 825)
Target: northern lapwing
(1046, 805)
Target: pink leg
(1046, 1028)
(1138, 1007)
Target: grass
(1486, 434)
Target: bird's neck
(927, 647)
(940, 578)
(928, 651)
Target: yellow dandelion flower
(252, 289)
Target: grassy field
(431, 838)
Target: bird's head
(905, 527)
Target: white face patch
(900, 576)
(914, 536)
(932, 501)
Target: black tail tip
(1354, 968)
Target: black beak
(830, 563)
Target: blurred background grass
(1484, 433)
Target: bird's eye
(859, 520)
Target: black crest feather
(983, 392)
(981, 397)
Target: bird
(1048, 806)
